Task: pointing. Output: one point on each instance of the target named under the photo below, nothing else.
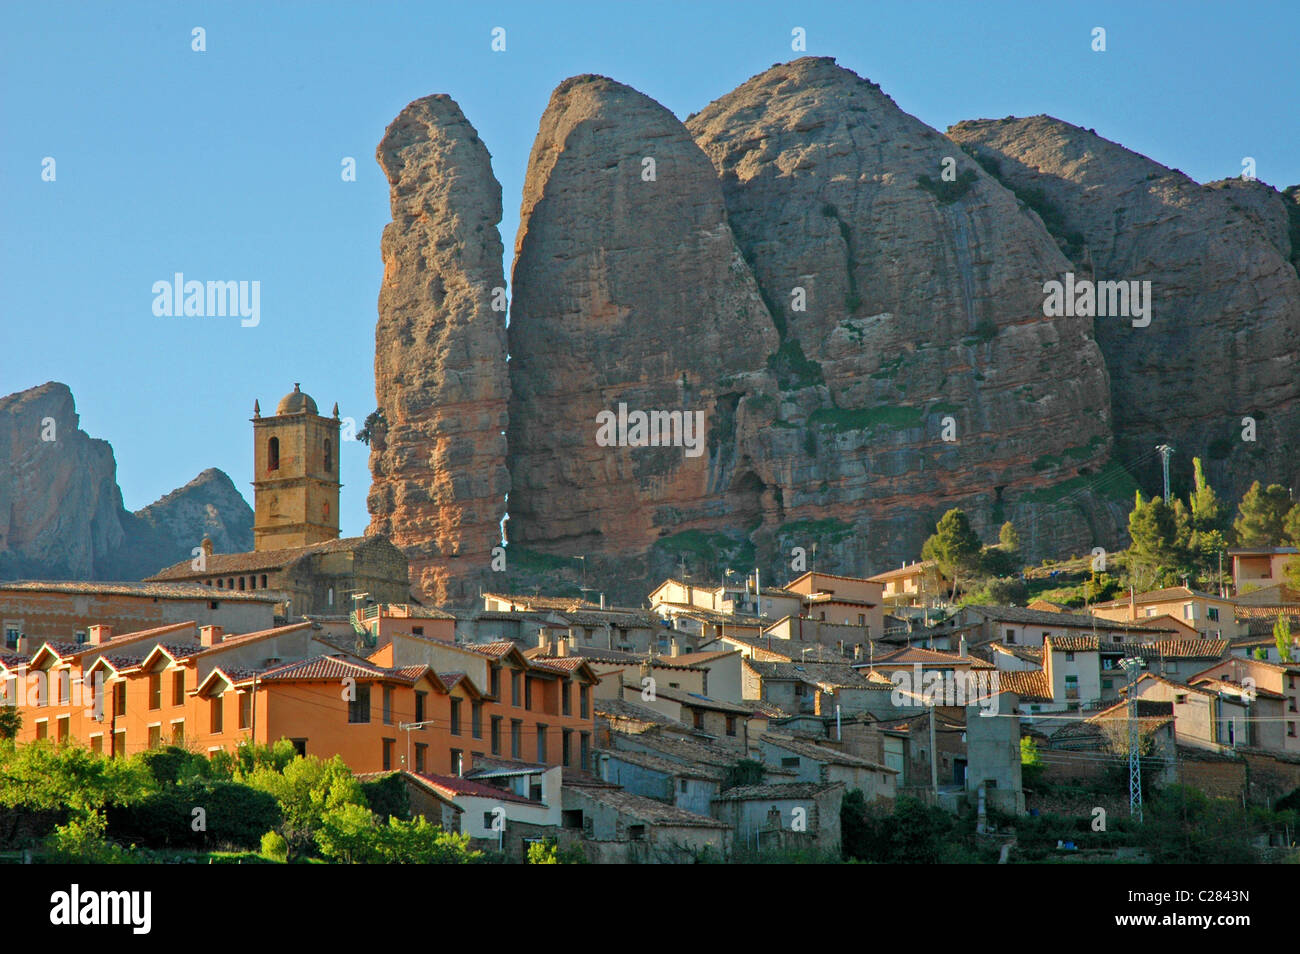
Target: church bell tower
(296, 474)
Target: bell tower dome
(295, 474)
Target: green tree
(954, 546)
(11, 721)
(1031, 762)
(1291, 527)
(1207, 511)
(1009, 537)
(1282, 636)
(1154, 553)
(1262, 515)
(274, 847)
(307, 789)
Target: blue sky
(225, 164)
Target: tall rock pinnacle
(438, 458)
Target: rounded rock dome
(296, 403)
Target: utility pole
(934, 758)
(1133, 667)
(1165, 453)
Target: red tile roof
(454, 786)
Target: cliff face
(439, 460)
(628, 289)
(852, 301)
(919, 304)
(61, 513)
(1224, 334)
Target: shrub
(274, 847)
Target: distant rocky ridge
(864, 334)
(61, 512)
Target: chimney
(676, 647)
(961, 647)
(210, 635)
(206, 546)
(562, 647)
(541, 640)
(602, 600)
(98, 634)
(857, 651)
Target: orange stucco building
(416, 703)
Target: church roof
(296, 402)
(222, 564)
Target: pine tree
(1282, 637)
(954, 546)
(1207, 512)
(1261, 516)
(1009, 537)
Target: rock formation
(854, 303)
(1224, 334)
(904, 282)
(438, 453)
(628, 289)
(61, 513)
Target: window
(359, 708)
(584, 697)
(566, 702)
(862, 619)
(516, 733)
(1069, 657)
(731, 725)
(329, 456)
(178, 687)
(214, 605)
(566, 746)
(1108, 683)
(541, 744)
(273, 454)
(698, 718)
(178, 732)
(528, 694)
(636, 832)
(421, 751)
(584, 750)
(64, 681)
(496, 735)
(571, 818)
(1212, 612)
(155, 736)
(119, 742)
(457, 762)
(514, 688)
(476, 719)
(155, 690)
(419, 706)
(417, 630)
(388, 753)
(1011, 637)
(490, 820)
(790, 762)
(11, 637)
(1290, 729)
(455, 716)
(681, 786)
(388, 705)
(216, 715)
(300, 746)
(1189, 611)
(62, 728)
(494, 679)
(97, 743)
(245, 710)
(1180, 698)
(119, 699)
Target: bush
(274, 847)
(82, 841)
(232, 815)
(388, 797)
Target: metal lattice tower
(1165, 452)
(1133, 666)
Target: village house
(1278, 734)
(731, 724)
(1257, 567)
(820, 763)
(619, 826)
(816, 688)
(786, 816)
(913, 584)
(1020, 626)
(842, 599)
(1213, 617)
(1204, 715)
(688, 786)
(64, 611)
